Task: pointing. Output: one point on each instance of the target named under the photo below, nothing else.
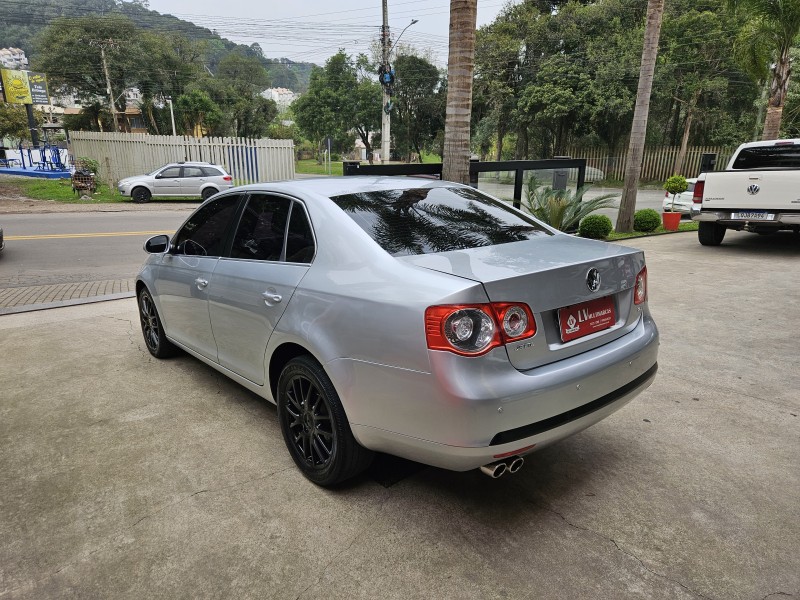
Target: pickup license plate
(754, 215)
(582, 319)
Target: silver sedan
(418, 318)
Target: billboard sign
(38, 84)
(24, 87)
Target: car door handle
(201, 283)
(271, 297)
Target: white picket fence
(658, 163)
(124, 154)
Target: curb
(74, 302)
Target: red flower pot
(671, 220)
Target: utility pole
(171, 114)
(385, 72)
(111, 105)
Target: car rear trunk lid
(553, 274)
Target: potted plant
(674, 185)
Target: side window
(211, 172)
(170, 173)
(204, 232)
(262, 228)
(192, 172)
(300, 241)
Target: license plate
(754, 215)
(582, 319)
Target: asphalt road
(54, 248)
(66, 247)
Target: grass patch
(688, 226)
(60, 190)
(311, 167)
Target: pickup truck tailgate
(753, 190)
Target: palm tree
(633, 166)
(460, 67)
(770, 32)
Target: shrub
(646, 220)
(596, 227)
(88, 163)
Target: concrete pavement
(128, 477)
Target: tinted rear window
(768, 157)
(426, 220)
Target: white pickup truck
(759, 191)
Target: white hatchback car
(683, 201)
(177, 179)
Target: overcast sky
(313, 30)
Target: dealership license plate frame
(584, 323)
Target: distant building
(13, 58)
(282, 97)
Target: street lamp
(413, 21)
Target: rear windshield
(768, 157)
(427, 220)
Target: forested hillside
(21, 21)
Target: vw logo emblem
(593, 279)
(753, 189)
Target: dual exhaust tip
(497, 469)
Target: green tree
(341, 99)
(419, 106)
(71, 52)
(198, 112)
(764, 46)
(14, 122)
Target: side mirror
(158, 176)
(158, 244)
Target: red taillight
(640, 289)
(474, 329)
(227, 178)
(697, 195)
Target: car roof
(337, 186)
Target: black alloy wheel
(207, 193)
(153, 331)
(140, 195)
(315, 427)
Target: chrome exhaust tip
(515, 464)
(495, 470)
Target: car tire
(153, 331)
(207, 193)
(140, 195)
(710, 234)
(315, 427)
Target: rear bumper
(465, 412)
(788, 220)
